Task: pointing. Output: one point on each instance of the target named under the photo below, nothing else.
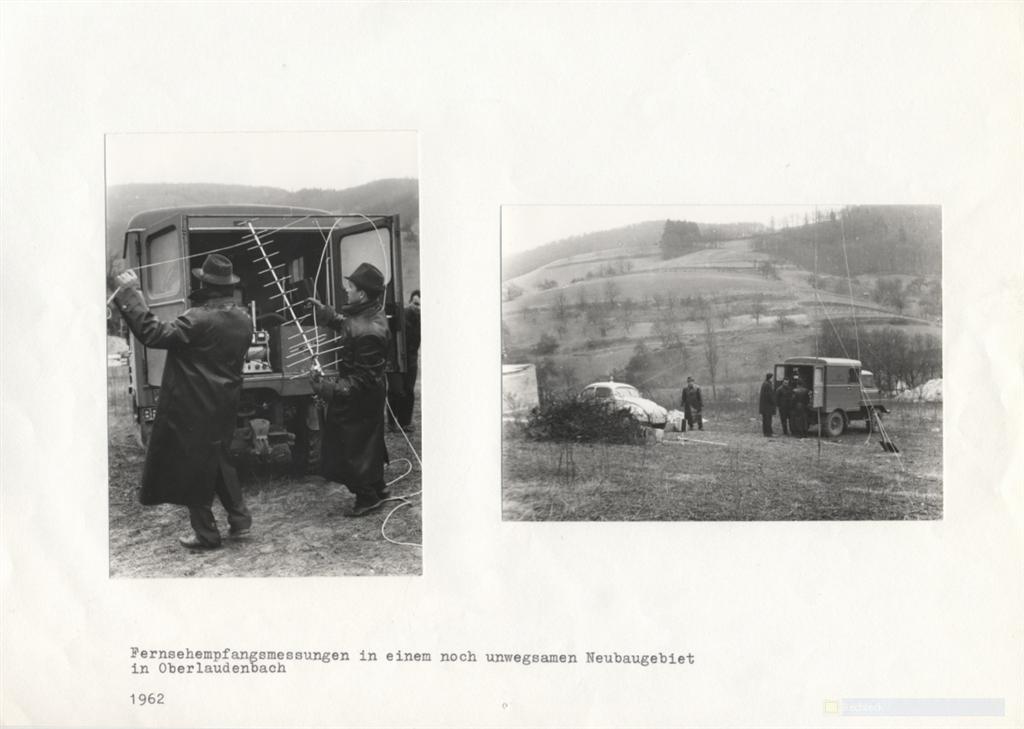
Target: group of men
(187, 459)
(793, 402)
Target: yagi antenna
(283, 294)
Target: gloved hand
(127, 280)
(322, 312)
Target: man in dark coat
(801, 404)
(766, 406)
(693, 404)
(354, 452)
(187, 457)
(784, 401)
(402, 386)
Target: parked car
(626, 397)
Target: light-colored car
(623, 396)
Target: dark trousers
(784, 420)
(229, 493)
(766, 423)
(693, 417)
(402, 396)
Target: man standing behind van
(766, 406)
(187, 456)
(784, 401)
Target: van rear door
(376, 239)
(164, 280)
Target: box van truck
(841, 391)
(283, 255)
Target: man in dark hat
(693, 404)
(766, 406)
(187, 455)
(354, 452)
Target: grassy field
(298, 524)
(749, 478)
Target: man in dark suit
(693, 404)
(402, 385)
(766, 406)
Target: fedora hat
(216, 270)
(368, 277)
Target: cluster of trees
(895, 356)
(899, 296)
(624, 265)
(883, 239)
(679, 237)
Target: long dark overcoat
(353, 448)
(766, 403)
(199, 393)
(798, 413)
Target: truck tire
(835, 424)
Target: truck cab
(841, 391)
(283, 255)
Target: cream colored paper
(524, 103)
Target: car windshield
(626, 391)
(601, 392)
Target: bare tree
(611, 292)
(711, 352)
(758, 309)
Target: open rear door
(162, 272)
(818, 400)
(377, 241)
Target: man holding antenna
(187, 456)
(353, 448)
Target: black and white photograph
(263, 333)
(710, 363)
(719, 381)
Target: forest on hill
(380, 196)
(870, 239)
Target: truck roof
(147, 218)
(828, 361)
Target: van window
(835, 376)
(853, 379)
(163, 277)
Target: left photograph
(263, 337)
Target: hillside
(632, 313)
(380, 196)
(618, 242)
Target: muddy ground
(299, 526)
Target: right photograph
(721, 362)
